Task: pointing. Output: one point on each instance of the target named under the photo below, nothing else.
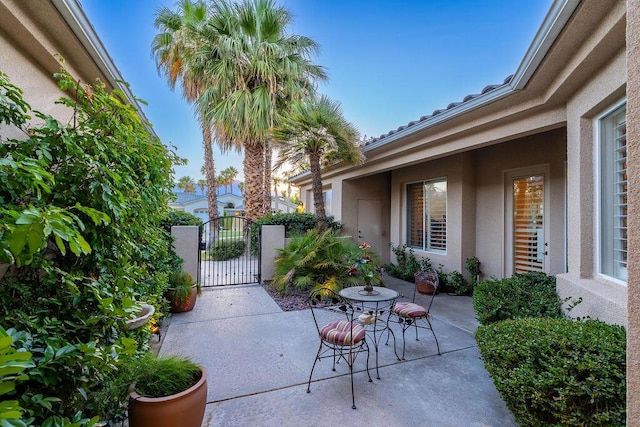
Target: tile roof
(453, 105)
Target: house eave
(74, 16)
(555, 20)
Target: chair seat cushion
(409, 309)
(340, 332)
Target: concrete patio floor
(259, 358)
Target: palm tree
(187, 184)
(202, 183)
(316, 130)
(257, 69)
(173, 49)
(229, 175)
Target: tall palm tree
(257, 68)
(173, 49)
(316, 130)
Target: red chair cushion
(409, 309)
(340, 332)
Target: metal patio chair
(408, 313)
(340, 339)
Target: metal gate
(229, 252)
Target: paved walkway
(259, 357)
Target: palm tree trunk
(267, 177)
(210, 172)
(253, 165)
(316, 186)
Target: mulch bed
(292, 301)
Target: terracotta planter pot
(177, 307)
(424, 283)
(185, 409)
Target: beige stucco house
(535, 173)
(539, 172)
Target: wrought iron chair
(408, 313)
(340, 339)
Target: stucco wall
(454, 169)
(547, 150)
(371, 188)
(633, 152)
(602, 297)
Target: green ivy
(81, 209)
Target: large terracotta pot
(185, 409)
(187, 305)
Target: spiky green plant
(319, 260)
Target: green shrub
(522, 295)
(315, 259)
(295, 224)
(174, 217)
(81, 205)
(225, 249)
(407, 265)
(557, 372)
(454, 283)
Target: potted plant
(182, 292)
(167, 392)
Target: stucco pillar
(633, 192)
(271, 239)
(187, 245)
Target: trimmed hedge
(557, 372)
(227, 249)
(522, 295)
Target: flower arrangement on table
(366, 268)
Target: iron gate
(229, 252)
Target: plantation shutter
(614, 195)
(437, 215)
(415, 216)
(528, 224)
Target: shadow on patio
(259, 358)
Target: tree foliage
(80, 211)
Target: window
(326, 195)
(613, 194)
(427, 215)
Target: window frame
(600, 181)
(426, 238)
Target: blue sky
(389, 62)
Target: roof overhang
(74, 16)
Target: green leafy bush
(174, 217)
(320, 260)
(295, 224)
(225, 249)
(81, 206)
(454, 283)
(557, 372)
(522, 295)
(407, 265)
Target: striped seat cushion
(340, 331)
(409, 309)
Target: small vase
(368, 287)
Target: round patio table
(373, 305)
